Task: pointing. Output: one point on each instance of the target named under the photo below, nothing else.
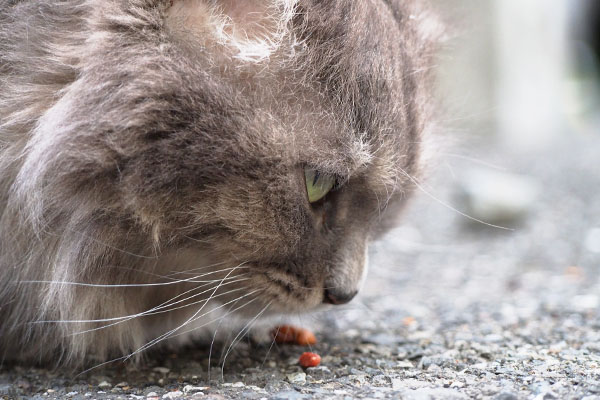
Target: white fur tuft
(253, 29)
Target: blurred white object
(592, 240)
(531, 66)
(497, 197)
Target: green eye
(317, 184)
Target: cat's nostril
(337, 297)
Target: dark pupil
(316, 178)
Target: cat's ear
(252, 29)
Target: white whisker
(219, 307)
(246, 328)
(422, 189)
(151, 312)
(129, 285)
(124, 358)
(153, 309)
(475, 160)
(169, 333)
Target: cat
(168, 163)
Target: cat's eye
(318, 184)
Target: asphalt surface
(452, 309)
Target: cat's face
(205, 125)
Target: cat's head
(275, 135)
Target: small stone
(188, 389)
(434, 368)
(352, 333)
(539, 387)
(298, 378)
(382, 339)
(290, 395)
(397, 384)
(152, 395)
(104, 385)
(381, 380)
(404, 364)
(585, 302)
(173, 395)
(506, 396)
(493, 338)
(319, 372)
(546, 396)
(5, 389)
(496, 197)
(71, 394)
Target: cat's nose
(338, 296)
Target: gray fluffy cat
(167, 163)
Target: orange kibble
(309, 360)
(408, 321)
(284, 334)
(304, 337)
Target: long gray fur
(131, 151)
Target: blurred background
(507, 223)
(524, 71)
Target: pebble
(161, 370)
(404, 364)
(234, 385)
(298, 378)
(585, 302)
(506, 396)
(173, 395)
(104, 385)
(290, 395)
(320, 372)
(496, 197)
(187, 389)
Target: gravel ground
(452, 309)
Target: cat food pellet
(284, 334)
(292, 334)
(309, 360)
(304, 337)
